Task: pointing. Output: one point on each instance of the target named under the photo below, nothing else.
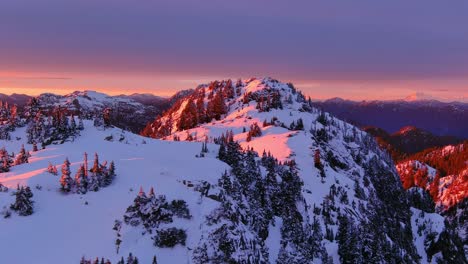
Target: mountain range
(439, 118)
(246, 171)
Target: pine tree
(133, 213)
(434, 187)
(80, 124)
(96, 168)
(73, 124)
(94, 182)
(85, 163)
(23, 204)
(131, 259)
(81, 181)
(155, 261)
(109, 175)
(317, 161)
(23, 156)
(66, 182)
(52, 169)
(5, 160)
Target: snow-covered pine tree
(132, 259)
(109, 175)
(80, 123)
(22, 157)
(85, 163)
(23, 204)
(72, 124)
(52, 169)
(94, 182)
(66, 181)
(81, 181)
(96, 166)
(133, 214)
(5, 160)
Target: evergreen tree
(81, 181)
(80, 124)
(5, 160)
(85, 163)
(94, 182)
(52, 169)
(72, 124)
(347, 241)
(96, 167)
(23, 156)
(23, 204)
(110, 175)
(66, 182)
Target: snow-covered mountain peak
(227, 100)
(266, 178)
(419, 96)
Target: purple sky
(354, 49)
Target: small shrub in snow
(5, 212)
(180, 209)
(170, 237)
(52, 169)
(3, 188)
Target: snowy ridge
(344, 144)
(319, 191)
(76, 218)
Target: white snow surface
(87, 229)
(63, 229)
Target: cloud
(43, 78)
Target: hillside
(249, 172)
(443, 173)
(408, 140)
(292, 129)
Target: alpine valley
(234, 171)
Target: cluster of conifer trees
(250, 202)
(7, 160)
(58, 126)
(98, 176)
(152, 211)
(131, 259)
(9, 119)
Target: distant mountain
(130, 112)
(146, 99)
(419, 97)
(15, 99)
(127, 112)
(439, 118)
(408, 140)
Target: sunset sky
(351, 49)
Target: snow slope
(358, 180)
(64, 228)
(347, 144)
